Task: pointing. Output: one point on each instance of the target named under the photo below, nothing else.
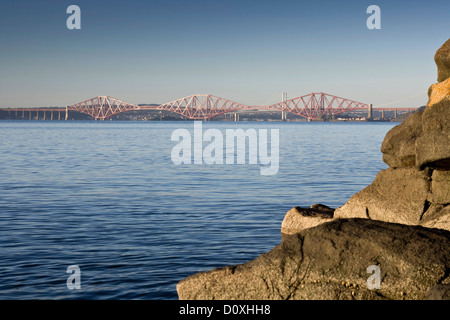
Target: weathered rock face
(416, 187)
(442, 60)
(422, 140)
(396, 195)
(433, 146)
(298, 219)
(330, 261)
(399, 144)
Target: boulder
(424, 138)
(299, 218)
(442, 60)
(433, 146)
(331, 261)
(416, 187)
(421, 140)
(399, 144)
(396, 195)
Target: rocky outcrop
(422, 140)
(331, 261)
(416, 187)
(433, 146)
(399, 144)
(404, 195)
(415, 190)
(396, 195)
(442, 60)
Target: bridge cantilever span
(103, 107)
(318, 105)
(206, 106)
(200, 107)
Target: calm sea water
(106, 196)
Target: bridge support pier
(369, 111)
(67, 113)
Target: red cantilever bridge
(205, 106)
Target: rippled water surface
(106, 196)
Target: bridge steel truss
(103, 107)
(201, 107)
(205, 106)
(318, 105)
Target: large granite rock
(433, 146)
(396, 195)
(330, 261)
(421, 140)
(416, 187)
(403, 195)
(442, 60)
(399, 144)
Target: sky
(245, 51)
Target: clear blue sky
(245, 51)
